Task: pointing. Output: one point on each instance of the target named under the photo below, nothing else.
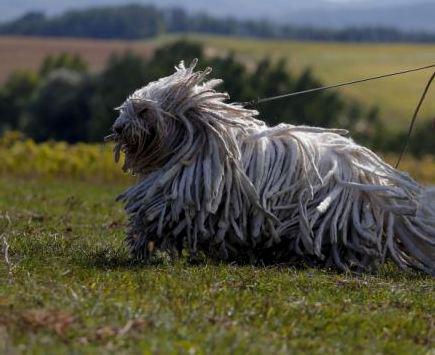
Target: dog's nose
(118, 128)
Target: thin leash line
(297, 93)
(414, 116)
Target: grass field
(331, 62)
(67, 284)
(71, 286)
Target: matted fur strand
(213, 178)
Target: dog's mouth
(133, 147)
(110, 138)
(120, 145)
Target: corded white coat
(215, 179)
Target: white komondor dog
(215, 179)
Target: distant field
(337, 62)
(29, 52)
(332, 62)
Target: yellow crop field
(23, 158)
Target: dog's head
(158, 120)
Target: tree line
(64, 101)
(137, 21)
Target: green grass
(339, 62)
(73, 289)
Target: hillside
(332, 62)
(338, 62)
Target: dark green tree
(14, 97)
(59, 109)
(64, 60)
(166, 57)
(423, 140)
(123, 74)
